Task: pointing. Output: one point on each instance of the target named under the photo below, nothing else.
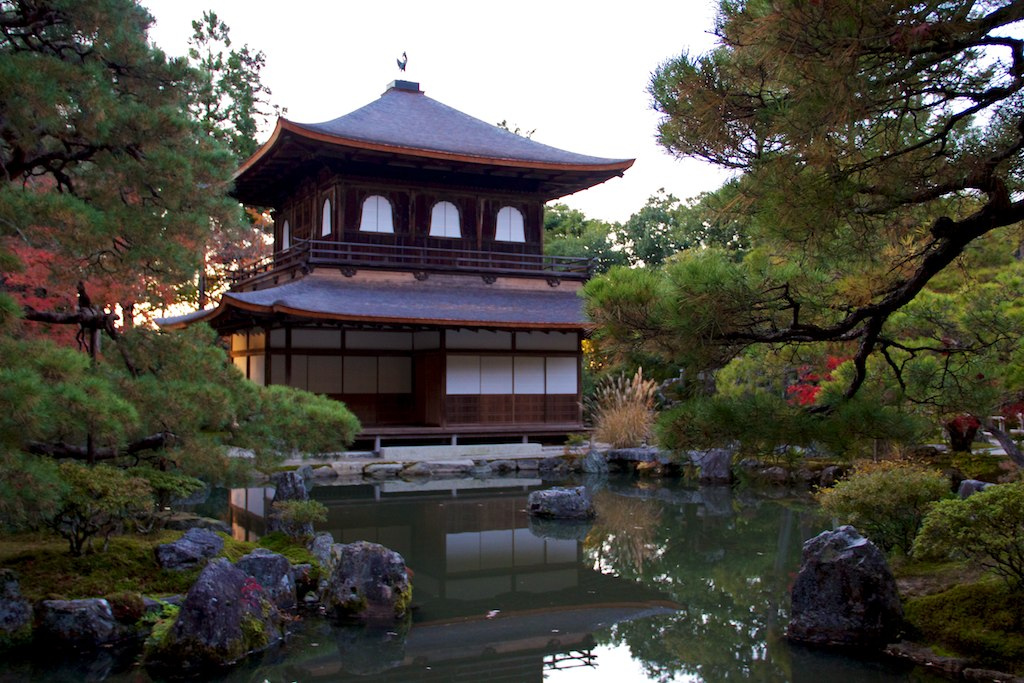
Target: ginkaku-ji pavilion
(408, 277)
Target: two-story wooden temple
(408, 277)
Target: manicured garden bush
(886, 501)
(297, 515)
(987, 527)
(100, 501)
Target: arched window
(286, 236)
(444, 220)
(376, 215)
(509, 227)
(325, 219)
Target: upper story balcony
(307, 255)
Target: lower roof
(401, 299)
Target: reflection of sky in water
(669, 583)
(611, 663)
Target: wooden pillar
(413, 228)
(479, 223)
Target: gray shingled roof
(437, 301)
(408, 118)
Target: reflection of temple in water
(492, 596)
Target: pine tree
(109, 190)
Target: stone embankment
(419, 462)
(712, 466)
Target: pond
(670, 583)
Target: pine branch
(61, 449)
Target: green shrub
(168, 485)
(886, 501)
(100, 501)
(294, 515)
(987, 527)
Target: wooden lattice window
(325, 219)
(377, 215)
(286, 235)
(444, 220)
(509, 226)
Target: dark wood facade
(408, 277)
(403, 378)
(412, 204)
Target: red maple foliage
(805, 391)
(47, 281)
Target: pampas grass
(623, 410)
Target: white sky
(573, 71)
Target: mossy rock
(368, 581)
(225, 616)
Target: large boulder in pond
(80, 624)
(274, 572)
(715, 465)
(367, 581)
(561, 503)
(225, 616)
(15, 611)
(189, 550)
(845, 593)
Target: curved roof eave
(613, 166)
(209, 315)
(282, 309)
(180, 322)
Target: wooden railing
(321, 253)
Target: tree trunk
(1010, 446)
(128, 314)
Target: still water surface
(670, 583)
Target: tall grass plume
(623, 410)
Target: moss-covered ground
(46, 570)
(983, 621)
(958, 610)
